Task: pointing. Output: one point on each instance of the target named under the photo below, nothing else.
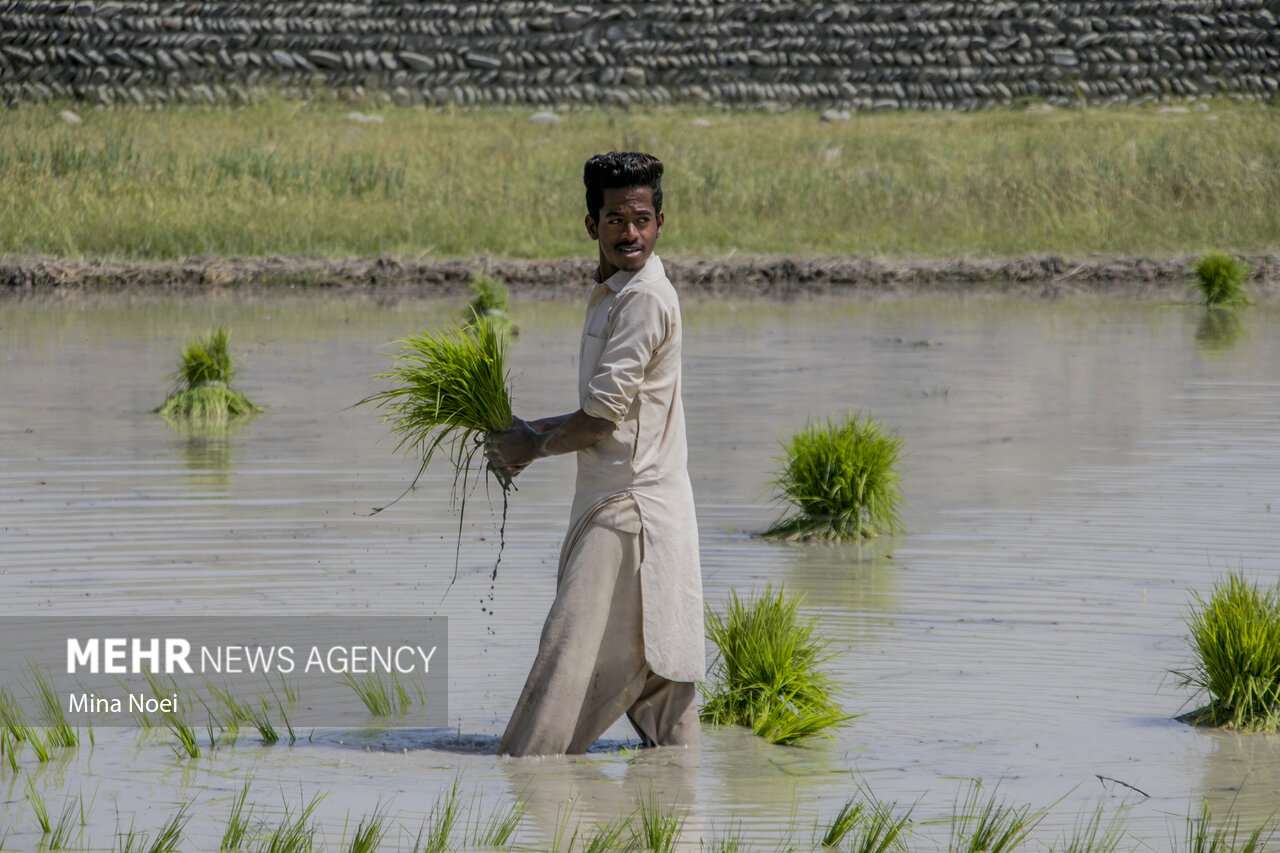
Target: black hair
(621, 170)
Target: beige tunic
(629, 373)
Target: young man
(624, 634)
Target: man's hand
(511, 450)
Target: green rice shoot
(841, 481)
(768, 674)
(383, 695)
(59, 731)
(1204, 834)
(987, 824)
(203, 393)
(237, 831)
(656, 828)
(1221, 278)
(1235, 637)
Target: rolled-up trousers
(590, 668)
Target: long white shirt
(629, 373)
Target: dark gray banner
(281, 672)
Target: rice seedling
(730, 842)
(842, 480)
(203, 392)
(59, 731)
(982, 824)
(187, 743)
(767, 675)
(1221, 279)
(1205, 835)
(38, 808)
(490, 303)
(9, 749)
(383, 694)
(498, 829)
(609, 836)
(237, 831)
(443, 819)
(61, 835)
(295, 833)
(878, 828)
(656, 828)
(1091, 834)
(169, 836)
(848, 816)
(369, 832)
(1236, 640)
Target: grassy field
(289, 177)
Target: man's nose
(630, 231)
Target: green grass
(987, 824)
(490, 303)
(840, 481)
(58, 731)
(369, 832)
(443, 819)
(768, 673)
(74, 812)
(39, 810)
(1092, 834)
(656, 827)
(296, 833)
(298, 178)
(203, 393)
(382, 693)
(497, 830)
(1235, 637)
(1221, 278)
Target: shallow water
(1076, 470)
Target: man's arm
(524, 442)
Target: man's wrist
(541, 441)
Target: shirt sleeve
(638, 326)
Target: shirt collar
(652, 269)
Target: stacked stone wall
(753, 53)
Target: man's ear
(591, 227)
(660, 221)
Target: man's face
(627, 230)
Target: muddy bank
(765, 277)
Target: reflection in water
(1219, 329)
(568, 795)
(1242, 774)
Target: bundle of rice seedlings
(1236, 640)
(1221, 279)
(768, 673)
(452, 389)
(490, 303)
(842, 479)
(203, 392)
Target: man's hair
(621, 170)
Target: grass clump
(842, 479)
(203, 392)
(237, 831)
(866, 827)
(1221, 278)
(490, 303)
(1236, 639)
(1205, 835)
(383, 695)
(768, 673)
(452, 389)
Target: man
(624, 634)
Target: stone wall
(745, 53)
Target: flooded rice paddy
(1075, 471)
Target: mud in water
(1075, 471)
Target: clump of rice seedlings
(1091, 834)
(369, 832)
(187, 743)
(452, 389)
(237, 831)
(443, 819)
(203, 392)
(38, 808)
(1236, 640)
(730, 842)
(490, 303)
(1205, 835)
(878, 829)
(295, 833)
(981, 824)
(841, 479)
(656, 828)
(261, 719)
(383, 695)
(60, 837)
(59, 731)
(608, 837)
(1221, 279)
(768, 675)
